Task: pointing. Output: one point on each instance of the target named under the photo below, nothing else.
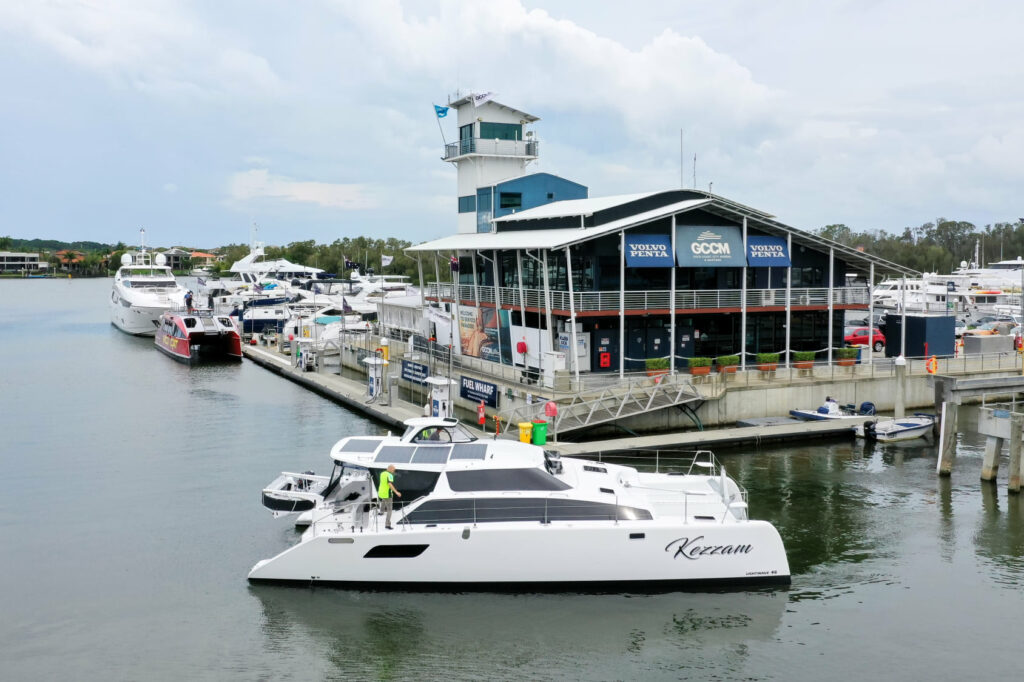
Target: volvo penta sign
(709, 247)
(649, 251)
(767, 252)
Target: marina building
(541, 276)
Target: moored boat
(832, 410)
(143, 289)
(189, 335)
(889, 430)
(496, 514)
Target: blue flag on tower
(440, 111)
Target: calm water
(131, 516)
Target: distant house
(14, 261)
(201, 259)
(69, 259)
(176, 258)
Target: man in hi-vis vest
(384, 492)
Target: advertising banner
(767, 252)
(479, 331)
(649, 251)
(414, 372)
(709, 247)
(476, 390)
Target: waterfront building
(16, 261)
(615, 281)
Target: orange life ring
(932, 365)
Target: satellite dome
(126, 259)
(963, 264)
(161, 259)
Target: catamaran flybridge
(490, 514)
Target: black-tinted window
(394, 453)
(541, 510)
(504, 479)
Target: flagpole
(440, 129)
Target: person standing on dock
(384, 492)
(188, 301)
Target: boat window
(461, 435)
(431, 454)
(504, 479)
(469, 451)
(542, 510)
(190, 322)
(394, 453)
(361, 445)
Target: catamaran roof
(562, 237)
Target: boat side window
(496, 510)
(190, 322)
(503, 479)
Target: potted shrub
(767, 362)
(727, 363)
(700, 366)
(803, 359)
(656, 366)
(847, 357)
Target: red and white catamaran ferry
(189, 335)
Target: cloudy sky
(314, 119)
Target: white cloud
(155, 46)
(258, 183)
(170, 187)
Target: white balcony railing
(647, 300)
(476, 145)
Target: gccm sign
(715, 247)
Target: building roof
(529, 118)
(200, 254)
(556, 238)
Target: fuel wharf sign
(709, 247)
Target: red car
(859, 336)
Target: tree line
(937, 246)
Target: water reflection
(539, 636)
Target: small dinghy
(889, 430)
(833, 410)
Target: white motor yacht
(144, 289)
(497, 514)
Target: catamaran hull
(569, 555)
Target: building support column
(990, 462)
(497, 293)
(743, 302)
(831, 305)
(789, 300)
(572, 317)
(903, 318)
(476, 285)
(871, 314)
(423, 292)
(899, 409)
(622, 304)
(672, 304)
(547, 300)
(522, 306)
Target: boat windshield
(443, 434)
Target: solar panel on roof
(431, 454)
(361, 445)
(394, 453)
(469, 451)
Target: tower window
(467, 204)
(511, 200)
(500, 131)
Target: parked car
(859, 336)
(959, 327)
(990, 329)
